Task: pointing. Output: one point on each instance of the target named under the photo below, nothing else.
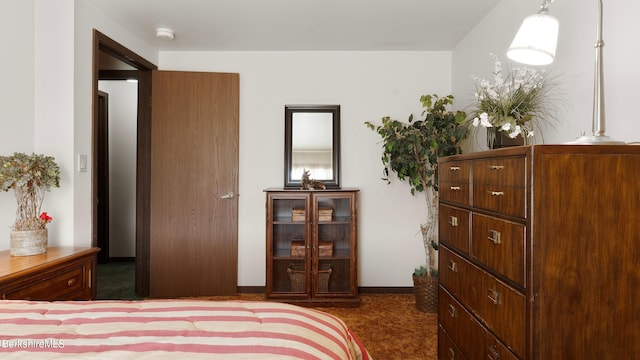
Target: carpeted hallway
(389, 325)
(116, 281)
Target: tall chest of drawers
(539, 252)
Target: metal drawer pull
(496, 167)
(454, 188)
(496, 193)
(454, 168)
(452, 354)
(494, 296)
(493, 353)
(453, 221)
(453, 266)
(453, 311)
(494, 236)
(70, 282)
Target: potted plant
(516, 102)
(411, 150)
(30, 176)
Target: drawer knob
(452, 354)
(70, 282)
(453, 266)
(496, 193)
(494, 296)
(453, 311)
(494, 236)
(493, 353)
(455, 188)
(453, 221)
(454, 168)
(496, 167)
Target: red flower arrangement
(45, 217)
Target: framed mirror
(312, 142)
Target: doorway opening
(112, 61)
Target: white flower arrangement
(514, 102)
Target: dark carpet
(116, 281)
(389, 325)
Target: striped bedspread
(172, 329)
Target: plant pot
(425, 289)
(498, 139)
(28, 242)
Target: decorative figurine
(310, 184)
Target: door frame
(104, 44)
(102, 185)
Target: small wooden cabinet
(312, 246)
(58, 274)
(539, 252)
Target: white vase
(28, 242)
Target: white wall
(53, 99)
(16, 95)
(123, 119)
(46, 101)
(368, 86)
(574, 63)
(86, 18)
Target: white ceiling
(299, 25)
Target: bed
(175, 329)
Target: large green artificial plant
(412, 149)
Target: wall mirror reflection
(312, 142)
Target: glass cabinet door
(289, 246)
(332, 256)
(311, 246)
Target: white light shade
(535, 42)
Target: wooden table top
(11, 266)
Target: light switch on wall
(82, 163)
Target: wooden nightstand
(59, 274)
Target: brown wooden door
(194, 168)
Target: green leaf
(411, 150)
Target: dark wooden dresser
(539, 253)
(59, 274)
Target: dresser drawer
(499, 244)
(455, 192)
(502, 199)
(500, 307)
(461, 327)
(500, 171)
(495, 350)
(503, 310)
(459, 277)
(461, 336)
(454, 227)
(447, 349)
(500, 185)
(454, 171)
(65, 284)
